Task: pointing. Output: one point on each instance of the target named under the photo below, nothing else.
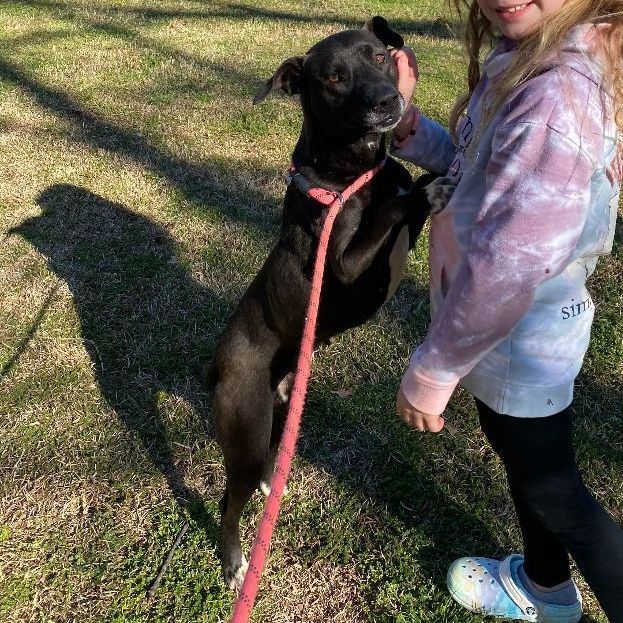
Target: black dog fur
(347, 86)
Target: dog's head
(347, 81)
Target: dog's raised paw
(439, 192)
(234, 576)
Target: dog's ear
(378, 26)
(288, 78)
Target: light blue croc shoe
(493, 588)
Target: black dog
(347, 85)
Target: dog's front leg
(353, 249)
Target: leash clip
(339, 197)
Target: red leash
(335, 201)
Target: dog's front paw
(234, 574)
(439, 192)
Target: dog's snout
(383, 106)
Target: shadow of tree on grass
(439, 28)
(201, 184)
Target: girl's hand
(415, 418)
(408, 75)
(408, 72)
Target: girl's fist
(415, 418)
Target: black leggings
(557, 514)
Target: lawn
(139, 192)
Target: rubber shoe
(493, 588)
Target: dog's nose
(386, 100)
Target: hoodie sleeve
(428, 145)
(534, 209)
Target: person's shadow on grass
(142, 317)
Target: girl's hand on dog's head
(408, 72)
(416, 418)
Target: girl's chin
(517, 30)
(516, 33)
(517, 24)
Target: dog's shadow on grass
(142, 318)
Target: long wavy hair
(538, 45)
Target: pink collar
(328, 197)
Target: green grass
(139, 193)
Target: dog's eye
(380, 58)
(334, 78)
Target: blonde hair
(538, 45)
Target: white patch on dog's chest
(398, 260)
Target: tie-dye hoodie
(534, 206)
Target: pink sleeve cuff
(425, 394)
(415, 122)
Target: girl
(527, 203)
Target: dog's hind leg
(281, 402)
(243, 421)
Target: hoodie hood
(580, 52)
